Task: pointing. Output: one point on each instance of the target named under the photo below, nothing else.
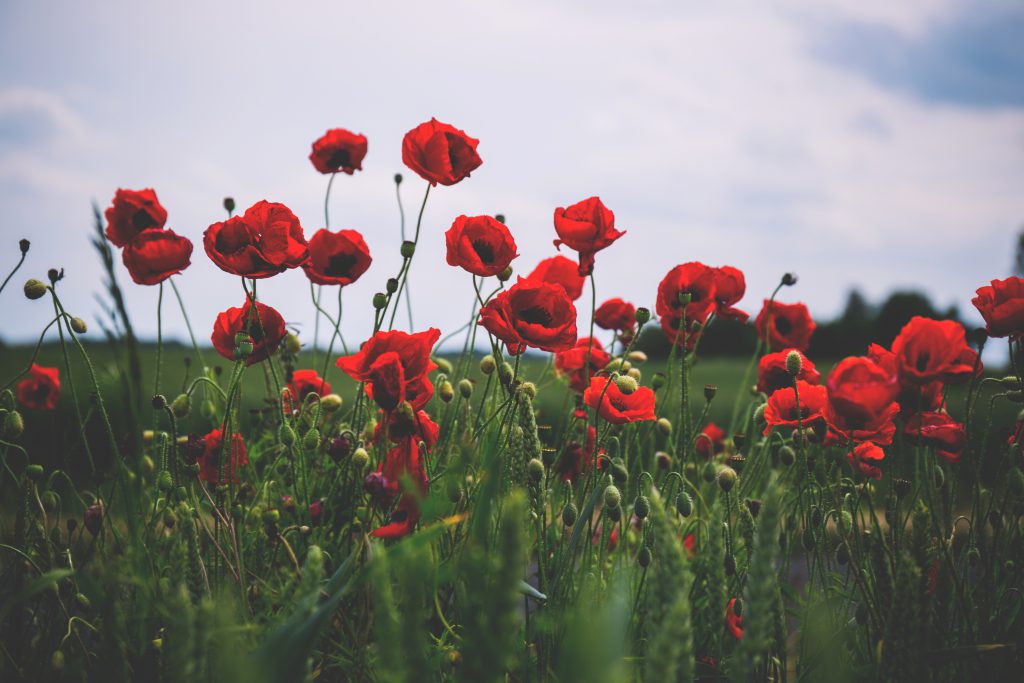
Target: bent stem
(407, 263)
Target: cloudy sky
(876, 145)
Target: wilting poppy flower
(40, 390)
(480, 244)
(131, 212)
(265, 327)
(862, 458)
(1001, 304)
(305, 382)
(615, 314)
(711, 440)
(336, 258)
(573, 362)
(927, 350)
(154, 255)
(733, 621)
(266, 240)
(781, 410)
(773, 375)
(339, 150)
(586, 227)
(791, 325)
(560, 271)
(440, 153)
(862, 402)
(394, 365)
(730, 286)
(937, 430)
(616, 407)
(531, 313)
(216, 460)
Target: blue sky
(876, 145)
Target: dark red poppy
(927, 350)
(154, 255)
(615, 314)
(336, 258)
(733, 621)
(791, 325)
(440, 153)
(938, 430)
(781, 409)
(573, 362)
(711, 440)
(616, 407)
(912, 398)
(577, 457)
(1001, 304)
(773, 375)
(480, 244)
(862, 402)
(560, 271)
(266, 240)
(690, 545)
(339, 150)
(305, 382)
(265, 328)
(394, 366)
(864, 457)
(586, 227)
(131, 212)
(531, 313)
(216, 464)
(403, 461)
(40, 390)
(730, 286)
(403, 425)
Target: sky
(870, 145)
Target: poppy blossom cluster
(690, 293)
(151, 252)
(265, 240)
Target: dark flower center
(536, 316)
(340, 158)
(484, 250)
(922, 362)
(142, 220)
(40, 391)
(340, 265)
(783, 325)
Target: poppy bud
(569, 514)
(505, 275)
(34, 289)
(787, 456)
(614, 514)
(663, 460)
(35, 472)
(789, 279)
(93, 518)
(500, 217)
(50, 500)
(1011, 382)
(360, 458)
(380, 300)
(292, 345)
(408, 249)
(14, 425)
(619, 473)
(844, 523)
(272, 516)
(57, 660)
(794, 363)
(164, 481)
(535, 468)
(466, 389)
(684, 504)
(635, 374)
(636, 357)
(643, 558)
(398, 179)
(331, 402)
(842, 554)
(286, 434)
(78, 326)
(23, 245)
(709, 472)
(726, 479)
(642, 507)
(487, 364)
(311, 441)
(664, 426)
(159, 402)
(808, 540)
(446, 392)
(902, 488)
(392, 285)
(612, 496)
(626, 384)
(505, 373)
(181, 406)
(55, 275)
(229, 204)
(658, 380)
(642, 315)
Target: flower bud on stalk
(794, 363)
(487, 364)
(612, 496)
(380, 300)
(181, 406)
(34, 289)
(392, 285)
(466, 389)
(331, 403)
(408, 249)
(446, 392)
(78, 326)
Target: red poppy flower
(615, 314)
(560, 271)
(861, 402)
(403, 461)
(573, 362)
(336, 258)
(733, 621)
(937, 430)
(266, 240)
(305, 382)
(213, 455)
(586, 227)
(730, 286)
(40, 390)
(616, 407)
(577, 457)
(690, 545)
(613, 537)
(912, 398)
(791, 325)
(394, 365)
(1001, 304)
(781, 410)
(339, 150)
(531, 313)
(773, 375)
(480, 244)
(927, 350)
(265, 328)
(401, 425)
(711, 440)
(154, 255)
(131, 212)
(440, 153)
(862, 458)
(693, 278)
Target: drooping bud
(658, 380)
(311, 441)
(446, 392)
(787, 456)
(360, 458)
(181, 406)
(569, 514)
(794, 363)
(641, 507)
(443, 365)
(286, 435)
(726, 479)
(759, 414)
(93, 517)
(663, 460)
(505, 275)
(14, 425)
(34, 289)
(466, 389)
(505, 373)
(684, 504)
(292, 345)
(643, 558)
(164, 481)
(78, 326)
(612, 496)
(487, 364)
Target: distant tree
(897, 311)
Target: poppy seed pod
(612, 496)
(408, 249)
(159, 402)
(35, 289)
(466, 389)
(787, 456)
(902, 488)
(794, 363)
(380, 300)
(643, 315)
(23, 245)
(398, 179)
(709, 392)
(726, 479)
(229, 204)
(487, 364)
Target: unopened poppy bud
(159, 402)
(787, 456)
(664, 426)
(614, 514)
(398, 179)
(635, 374)
(14, 425)
(271, 516)
(902, 488)
(794, 363)
(643, 558)
(569, 514)
(619, 473)
(466, 388)
(408, 249)
(331, 403)
(1011, 382)
(626, 384)
(505, 373)
(789, 279)
(286, 434)
(726, 479)
(311, 441)
(57, 660)
(164, 481)
(181, 406)
(505, 275)
(93, 518)
(663, 460)
(360, 458)
(642, 507)
(380, 300)
(684, 504)
(643, 315)
(392, 285)
(535, 468)
(208, 409)
(292, 345)
(23, 245)
(759, 414)
(658, 380)
(229, 204)
(35, 472)
(842, 554)
(529, 390)
(78, 326)
(446, 392)
(443, 365)
(845, 523)
(612, 496)
(807, 539)
(636, 357)
(487, 364)
(34, 289)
